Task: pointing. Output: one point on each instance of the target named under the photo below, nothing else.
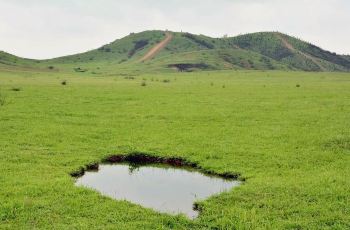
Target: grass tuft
(2, 99)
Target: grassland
(287, 133)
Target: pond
(165, 189)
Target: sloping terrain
(12, 60)
(347, 57)
(286, 43)
(163, 51)
(294, 53)
(157, 48)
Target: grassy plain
(287, 133)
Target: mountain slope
(293, 52)
(157, 48)
(152, 51)
(347, 57)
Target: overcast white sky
(51, 28)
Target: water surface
(165, 189)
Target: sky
(43, 29)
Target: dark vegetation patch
(340, 143)
(16, 89)
(80, 70)
(199, 40)
(188, 67)
(137, 158)
(64, 82)
(326, 55)
(320, 53)
(138, 45)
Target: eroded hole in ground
(154, 183)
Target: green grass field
(286, 133)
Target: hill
(165, 51)
(7, 59)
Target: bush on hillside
(138, 45)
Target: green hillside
(294, 53)
(12, 60)
(189, 52)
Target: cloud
(49, 28)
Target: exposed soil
(157, 48)
(145, 159)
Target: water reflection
(165, 189)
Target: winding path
(157, 48)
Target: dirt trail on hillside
(157, 48)
(292, 48)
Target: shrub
(297, 85)
(78, 69)
(64, 82)
(51, 67)
(166, 80)
(138, 45)
(143, 83)
(16, 89)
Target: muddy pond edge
(146, 159)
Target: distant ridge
(166, 51)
